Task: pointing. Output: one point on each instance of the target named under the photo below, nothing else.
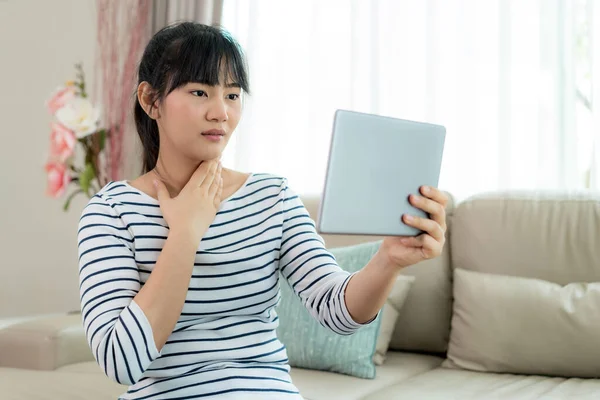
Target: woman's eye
(233, 96)
(199, 93)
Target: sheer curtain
(595, 73)
(497, 73)
(122, 33)
(165, 12)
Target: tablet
(374, 164)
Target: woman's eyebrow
(228, 86)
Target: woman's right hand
(194, 208)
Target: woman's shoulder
(274, 183)
(256, 189)
(267, 178)
(116, 194)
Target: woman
(179, 268)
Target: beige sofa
(502, 336)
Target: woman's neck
(174, 172)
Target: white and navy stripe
(224, 344)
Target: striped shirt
(224, 345)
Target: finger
(435, 194)
(161, 191)
(217, 181)
(199, 175)
(428, 225)
(219, 194)
(416, 241)
(433, 208)
(431, 247)
(212, 173)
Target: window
(512, 82)
(582, 52)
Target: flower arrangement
(75, 122)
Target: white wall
(40, 41)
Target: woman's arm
(310, 269)
(116, 328)
(126, 324)
(189, 216)
(368, 289)
(341, 301)
(163, 295)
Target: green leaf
(89, 149)
(71, 196)
(86, 177)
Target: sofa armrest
(44, 343)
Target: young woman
(179, 269)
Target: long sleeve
(311, 270)
(116, 328)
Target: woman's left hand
(402, 251)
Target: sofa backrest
(544, 235)
(526, 267)
(424, 321)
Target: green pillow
(310, 345)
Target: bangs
(207, 58)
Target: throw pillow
(312, 346)
(520, 325)
(389, 316)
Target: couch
(506, 312)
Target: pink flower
(62, 142)
(60, 97)
(58, 179)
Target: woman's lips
(214, 135)
(213, 138)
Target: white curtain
(166, 12)
(498, 74)
(595, 71)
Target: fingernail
(409, 218)
(425, 189)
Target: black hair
(179, 54)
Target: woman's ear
(145, 95)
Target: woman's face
(197, 120)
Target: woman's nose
(217, 111)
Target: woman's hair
(179, 54)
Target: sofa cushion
(44, 343)
(544, 235)
(6, 322)
(86, 367)
(25, 384)
(389, 317)
(313, 385)
(523, 325)
(318, 385)
(424, 321)
(444, 384)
